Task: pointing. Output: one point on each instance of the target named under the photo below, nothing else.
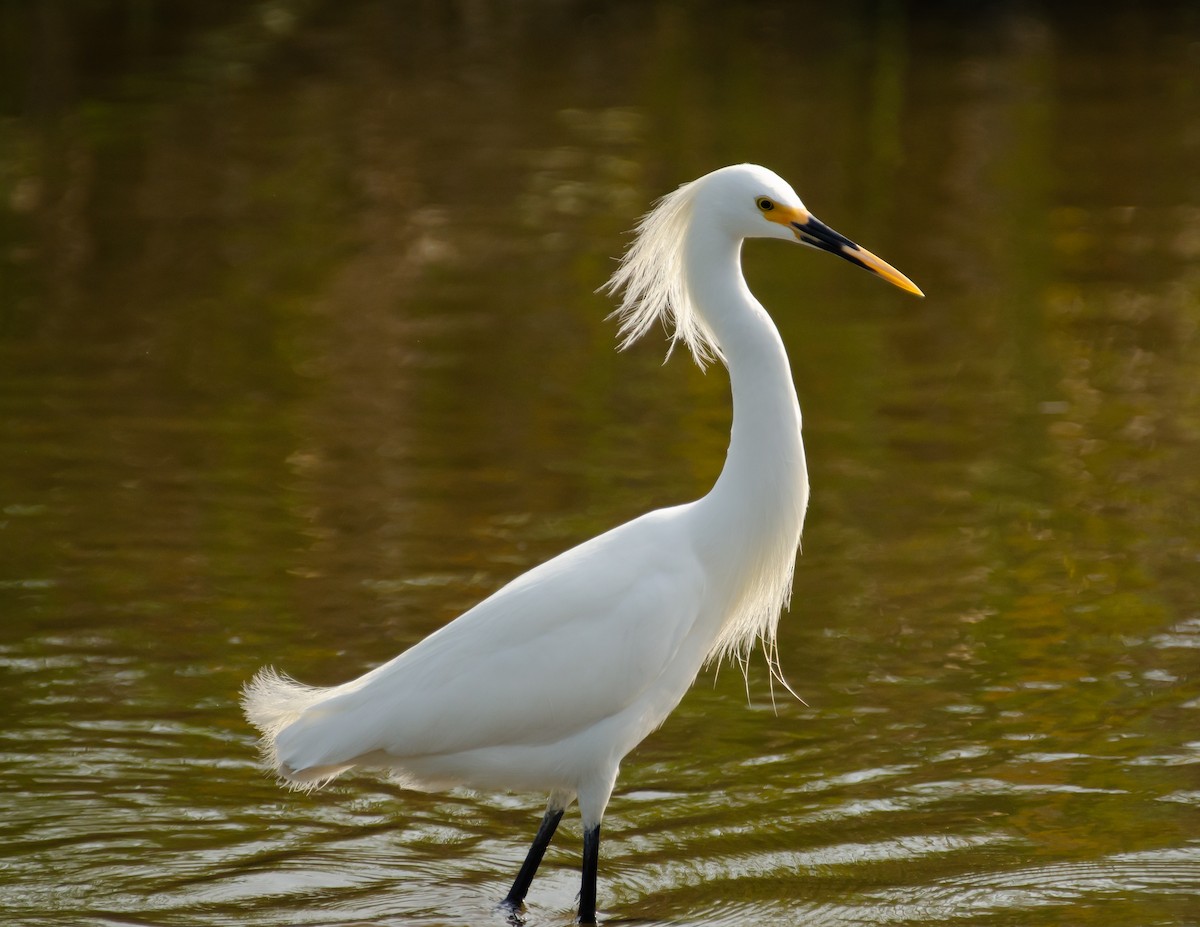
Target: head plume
(652, 278)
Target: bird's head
(754, 202)
(733, 203)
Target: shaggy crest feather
(655, 289)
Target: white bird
(549, 682)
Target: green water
(300, 357)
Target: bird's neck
(755, 512)
(765, 466)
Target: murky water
(300, 357)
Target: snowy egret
(548, 683)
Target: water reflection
(299, 357)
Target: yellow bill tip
(881, 268)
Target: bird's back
(596, 639)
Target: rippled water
(300, 357)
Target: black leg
(520, 887)
(591, 863)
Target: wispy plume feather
(651, 274)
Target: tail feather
(272, 702)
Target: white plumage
(548, 683)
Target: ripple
(1171, 872)
(1185, 634)
(958, 787)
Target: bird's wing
(562, 647)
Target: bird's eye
(765, 204)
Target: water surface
(300, 357)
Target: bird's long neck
(756, 509)
(765, 463)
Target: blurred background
(301, 355)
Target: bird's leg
(516, 894)
(591, 863)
